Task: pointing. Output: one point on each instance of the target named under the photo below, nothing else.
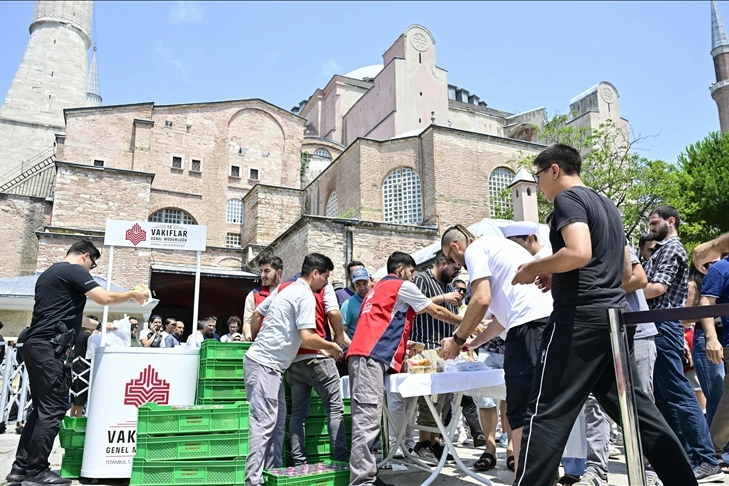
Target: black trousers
(577, 361)
(49, 384)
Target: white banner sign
(123, 379)
(145, 234)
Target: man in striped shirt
(435, 284)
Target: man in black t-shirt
(60, 297)
(586, 273)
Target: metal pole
(105, 315)
(196, 302)
(7, 382)
(24, 388)
(626, 398)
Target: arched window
(402, 199)
(332, 206)
(172, 216)
(322, 153)
(234, 211)
(501, 203)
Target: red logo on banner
(136, 234)
(147, 388)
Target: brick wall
(269, 211)
(20, 218)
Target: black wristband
(459, 341)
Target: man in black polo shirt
(60, 297)
(586, 273)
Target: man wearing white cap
(524, 233)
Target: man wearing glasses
(60, 297)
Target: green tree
(613, 168)
(706, 164)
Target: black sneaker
(438, 451)
(17, 475)
(707, 473)
(45, 478)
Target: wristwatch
(459, 341)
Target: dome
(365, 72)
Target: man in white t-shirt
(290, 322)
(522, 311)
(195, 339)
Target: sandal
(568, 480)
(485, 462)
(510, 463)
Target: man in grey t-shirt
(290, 321)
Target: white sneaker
(591, 478)
(613, 451)
(651, 479)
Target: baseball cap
(360, 273)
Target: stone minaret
(93, 87)
(51, 77)
(720, 53)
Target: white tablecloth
(489, 383)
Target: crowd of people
(536, 309)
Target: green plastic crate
(310, 458)
(334, 478)
(315, 446)
(156, 419)
(214, 349)
(316, 406)
(72, 433)
(71, 463)
(210, 446)
(173, 473)
(219, 369)
(316, 426)
(220, 390)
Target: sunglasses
(460, 290)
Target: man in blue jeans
(667, 272)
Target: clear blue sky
(514, 55)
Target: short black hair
(275, 262)
(352, 264)
(458, 280)
(84, 246)
(666, 212)
(645, 238)
(202, 325)
(233, 319)
(168, 321)
(152, 318)
(440, 257)
(399, 259)
(316, 261)
(566, 157)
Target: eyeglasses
(93, 263)
(536, 174)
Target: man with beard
(667, 272)
(271, 269)
(435, 284)
(174, 338)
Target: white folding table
(488, 383)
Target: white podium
(123, 379)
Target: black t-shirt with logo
(60, 296)
(583, 295)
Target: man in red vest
(271, 268)
(378, 347)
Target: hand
(544, 282)
(334, 351)
(347, 341)
(450, 348)
(452, 298)
(524, 275)
(248, 338)
(714, 351)
(703, 254)
(469, 345)
(339, 338)
(140, 297)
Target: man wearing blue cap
(350, 308)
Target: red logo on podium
(136, 234)
(147, 388)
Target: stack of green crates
(72, 436)
(221, 377)
(196, 445)
(316, 429)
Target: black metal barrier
(618, 321)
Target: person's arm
(256, 321)
(475, 312)
(691, 297)
(655, 289)
(576, 253)
(714, 349)
(105, 297)
(147, 342)
(248, 310)
(710, 251)
(637, 280)
(492, 330)
(666, 269)
(312, 340)
(627, 268)
(335, 321)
